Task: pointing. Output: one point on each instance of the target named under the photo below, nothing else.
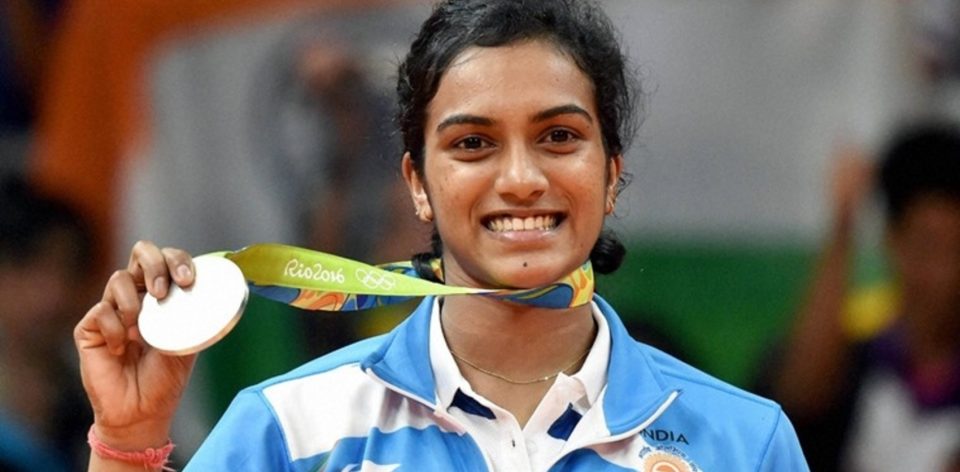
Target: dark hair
(578, 27)
(27, 218)
(922, 159)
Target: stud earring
(611, 204)
(424, 215)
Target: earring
(424, 214)
(611, 204)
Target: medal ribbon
(314, 280)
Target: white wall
(746, 100)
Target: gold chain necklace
(521, 382)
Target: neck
(518, 341)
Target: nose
(521, 178)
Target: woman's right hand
(133, 389)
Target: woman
(514, 116)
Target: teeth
(530, 223)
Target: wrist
(150, 458)
(133, 437)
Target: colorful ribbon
(314, 280)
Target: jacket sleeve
(783, 453)
(247, 438)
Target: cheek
(589, 187)
(450, 190)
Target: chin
(532, 276)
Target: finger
(123, 294)
(180, 265)
(148, 264)
(86, 334)
(132, 265)
(113, 332)
(101, 327)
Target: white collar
(589, 381)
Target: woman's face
(515, 174)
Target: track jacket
(372, 407)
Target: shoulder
(297, 415)
(703, 400)
(644, 363)
(714, 400)
(696, 384)
(320, 387)
(321, 380)
(713, 412)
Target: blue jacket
(371, 406)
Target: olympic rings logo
(373, 280)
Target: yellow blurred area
(869, 310)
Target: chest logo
(663, 460)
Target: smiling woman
(499, 155)
(514, 115)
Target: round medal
(191, 319)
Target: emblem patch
(665, 459)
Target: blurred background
(214, 124)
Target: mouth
(512, 223)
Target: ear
(417, 188)
(614, 171)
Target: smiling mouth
(507, 223)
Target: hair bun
(607, 254)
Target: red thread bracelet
(154, 458)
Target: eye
(561, 140)
(560, 136)
(472, 143)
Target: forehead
(525, 76)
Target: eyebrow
(562, 110)
(467, 119)
(463, 119)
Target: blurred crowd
(212, 125)
(871, 375)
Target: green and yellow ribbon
(314, 280)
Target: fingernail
(183, 271)
(160, 285)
